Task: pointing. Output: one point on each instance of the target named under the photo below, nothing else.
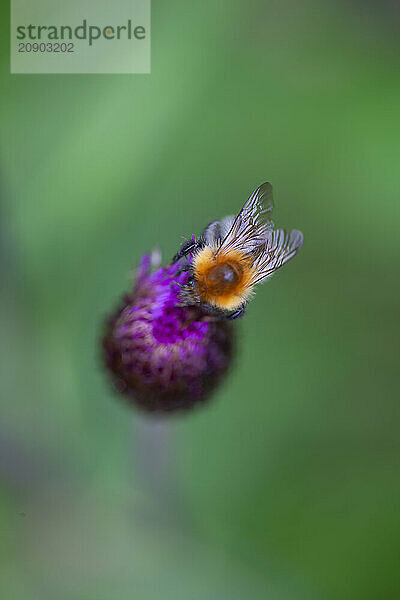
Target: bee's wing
(250, 227)
(279, 247)
(217, 230)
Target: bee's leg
(186, 248)
(237, 314)
(184, 269)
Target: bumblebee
(232, 255)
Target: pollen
(223, 278)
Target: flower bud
(163, 356)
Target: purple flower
(163, 356)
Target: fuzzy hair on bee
(232, 255)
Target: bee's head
(188, 294)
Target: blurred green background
(286, 485)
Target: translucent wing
(279, 247)
(217, 230)
(250, 227)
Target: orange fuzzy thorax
(212, 288)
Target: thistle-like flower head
(161, 355)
